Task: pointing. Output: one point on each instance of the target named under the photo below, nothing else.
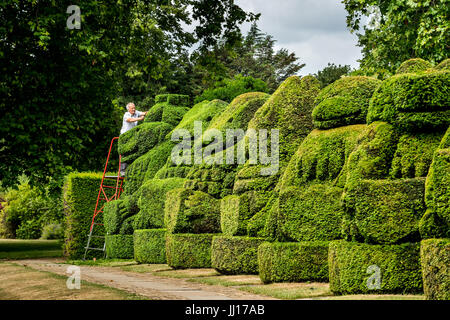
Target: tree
(398, 30)
(57, 84)
(331, 73)
(253, 56)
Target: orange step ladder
(102, 199)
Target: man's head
(131, 107)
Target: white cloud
(314, 29)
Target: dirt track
(153, 287)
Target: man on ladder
(130, 120)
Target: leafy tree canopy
(392, 31)
(331, 73)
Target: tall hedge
(119, 246)
(80, 195)
(435, 258)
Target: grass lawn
(27, 249)
(24, 283)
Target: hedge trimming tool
(102, 199)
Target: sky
(314, 29)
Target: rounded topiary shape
(413, 66)
(344, 102)
(444, 65)
(413, 101)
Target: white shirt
(129, 125)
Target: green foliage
(188, 211)
(80, 196)
(344, 102)
(398, 30)
(116, 212)
(435, 260)
(53, 231)
(69, 78)
(293, 261)
(150, 245)
(151, 202)
(185, 250)
(413, 101)
(436, 222)
(413, 66)
(228, 89)
(119, 246)
(444, 65)
(26, 209)
(386, 211)
(235, 255)
(399, 267)
(331, 73)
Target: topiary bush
(150, 246)
(119, 246)
(151, 202)
(293, 261)
(80, 195)
(444, 65)
(414, 66)
(188, 211)
(186, 250)
(363, 268)
(436, 221)
(344, 102)
(413, 101)
(235, 255)
(435, 259)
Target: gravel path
(153, 287)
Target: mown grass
(28, 249)
(25, 283)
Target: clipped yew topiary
(150, 245)
(414, 66)
(344, 102)
(293, 261)
(364, 268)
(235, 255)
(119, 246)
(413, 101)
(80, 195)
(187, 250)
(435, 259)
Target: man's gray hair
(129, 105)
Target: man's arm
(130, 119)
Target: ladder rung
(109, 187)
(114, 177)
(100, 224)
(89, 248)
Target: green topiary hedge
(186, 250)
(119, 246)
(80, 195)
(436, 221)
(150, 246)
(293, 261)
(235, 255)
(414, 66)
(386, 211)
(435, 259)
(363, 268)
(151, 202)
(344, 102)
(188, 211)
(444, 65)
(413, 101)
